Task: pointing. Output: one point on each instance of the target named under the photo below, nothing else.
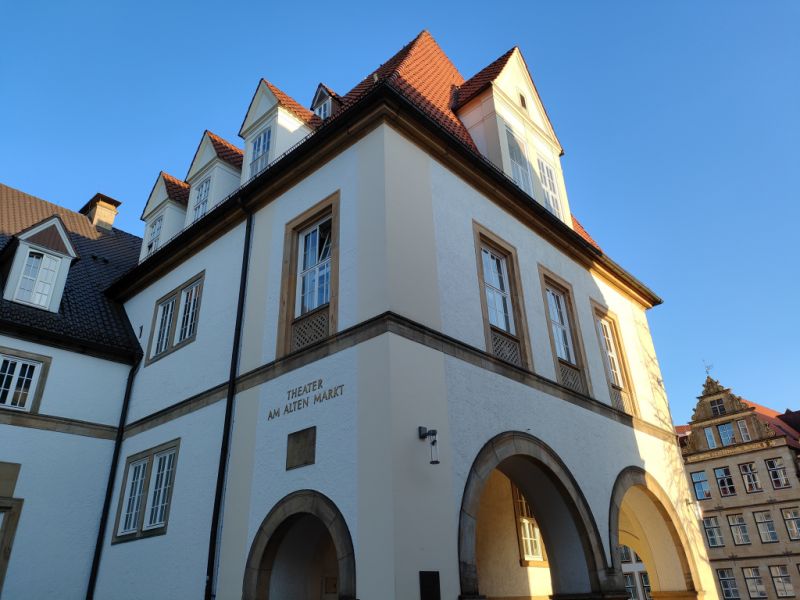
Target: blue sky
(679, 121)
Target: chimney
(101, 210)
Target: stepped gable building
(743, 462)
(372, 354)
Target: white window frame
(318, 272)
(644, 579)
(201, 199)
(42, 287)
(10, 382)
(558, 311)
(710, 439)
(792, 522)
(167, 333)
(754, 582)
(520, 172)
(146, 495)
(154, 234)
(497, 288)
(713, 532)
(727, 583)
(739, 531)
(777, 472)
(717, 407)
(766, 526)
(323, 110)
(744, 432)
(729, 437)
(188, 311)
(752, 482)
(725, 483)
(531, 548)
(260, 149)
(552, 196)
(782, 581)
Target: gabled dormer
(326, 102)
(214, 173)
(274, 123)
(165, 212)
(38, 264)
(506, 118)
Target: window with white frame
(644, 578)
(713, 532)
(754, 582)
(550, 185)
(38, 279)
(19, 379)
(530, 538)
(314, 267)
(717, 407)
(261, 146)
(625, 554)
(741, 536)
(791, 517)
(726, 436)
(782, 581)
(750, 477)
(702, 491)
(558, 311)
(710, 439)
(176, 318)
(777, 473)
(766, 527)
(146, 494)
(744, 433)
(725, 481)
(630, 586)
(201, 199)
(611, 354)
(520, 168)
(727, 583)
(497, 290)
(154, 234)
(323, 111)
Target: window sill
(138, 535)
(533, 563)
(170, 350)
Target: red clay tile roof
(226, 151)
(683, 429)
(576, 225)
(293, 106)
(177, 189)
(331, 93)
(423, 73)
(481, 80)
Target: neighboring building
(637, 581)
(380, 358)
(743, 460)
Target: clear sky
(680, 121)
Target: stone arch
(275, 527)
(577, 560)
(675, 572)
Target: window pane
(190, 299)
(702, 491)
(160, 485)
(710, 440)
(744, 433)
(791, 517)
(133, 496)
(520, 169)
(496, 288)
(726, 434)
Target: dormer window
(551, 196)
(520, 169)
(261, 152)
(201, 200)
(522, 102)
(154, 235)
(37, 279)
(323, 111)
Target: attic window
(323, 111)
(38, 279)
(522, 102)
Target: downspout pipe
(224, 450)
(112, 474)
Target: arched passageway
(572, 562)
(643, 518)
(302, 551)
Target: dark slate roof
(87, 320)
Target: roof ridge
(173, 178)
(217, 138)
(483, 78)
(51, 204)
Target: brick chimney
(101, 210)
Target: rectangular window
(146, 493)
(613, 360)
(261, 145)
(725, 481)
(201, 199)
(710, 439)
(520, 168)
(309, 280)
(19, 379)
(551, 195)
(625, 554)
(717, 407)
(498, 291)
(727, 583)
(791, 517)
(713, 532)
(755, 583)
(38, 279)
(782, 581)
(564, 334)
(726, 436)
(530, 538)
(314, 269)
(175, 318)
(702, 491)
(558, 312)
(750, 477)
(777, 473)
(630, 586)
(154, 234)
(744, 433)
(766, 527)
(644, 578)
(323, 111)
(739, 531)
